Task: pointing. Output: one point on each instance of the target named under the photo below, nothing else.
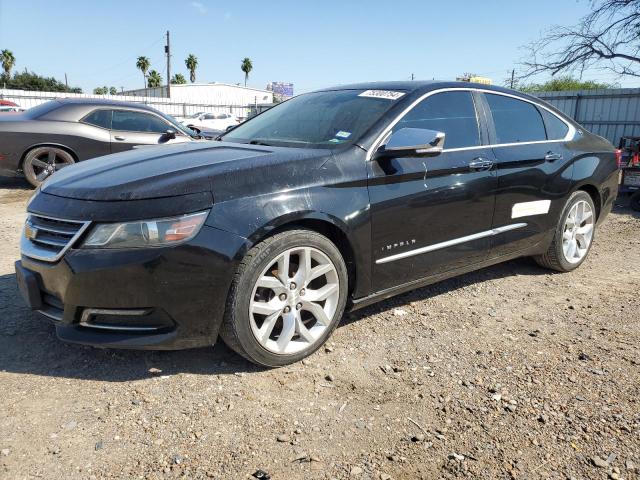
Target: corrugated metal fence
(609, 113)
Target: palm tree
(8, 61)
(143, 64)
(192, 62)
(154, 79)
(246, 67)
(178, 79)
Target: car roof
(104, 102)
(422, 86)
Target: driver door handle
(480, 164)
(552, 156)
(118, 137)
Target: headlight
(145, 233)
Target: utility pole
(65, 81)
(513, 74)
(412, 77)
(167, 50)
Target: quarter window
(130, 121)
(452, 113)
(99, 118)
(515, 121)
(556, 128)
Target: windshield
(320, 120)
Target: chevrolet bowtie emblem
(30, 232)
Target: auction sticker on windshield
(388, 94)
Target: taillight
(619, 157)
(636, 160)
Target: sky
(312, 44)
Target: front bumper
(158, 298)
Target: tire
(556, 257)
(634, 201)
(259, 297)
(42, 162)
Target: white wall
(28, 99)
(210, 93)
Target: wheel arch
(321, 223)
(594, 193)
(69, 150)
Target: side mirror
(412, 142)
(170, 134)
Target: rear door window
(452, 113)
(515, 121)
(131, 121)
(99, 118)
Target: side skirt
(356, 304)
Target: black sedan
(331, 200)
(58, 133)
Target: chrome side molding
(450, 243)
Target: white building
(213, 94)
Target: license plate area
(631, 179)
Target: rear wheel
(42, 162)
(573, 236)
(286, 299)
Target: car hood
(173, 170)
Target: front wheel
(287, 297)
(573, 236)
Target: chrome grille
(47, 238)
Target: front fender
(344, 207)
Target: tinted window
(452, 113)
(515, 120)
(138, 122)
(322, 119)
(556, 128)
(210, 116)
(99, 118)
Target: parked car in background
(8, 106)
(211, 121)
(55, 134)
(334, 199)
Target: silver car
(53, 135)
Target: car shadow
(622, 207)
(16, 183)
(519, 266)
(28, 343)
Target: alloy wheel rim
(48, 163)
(294, 300)
(578, 232)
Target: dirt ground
(509, 372)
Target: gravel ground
(509, 372)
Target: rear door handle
(118, 137)
(479, 164)
(552, 157)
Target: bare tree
(607, 38)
